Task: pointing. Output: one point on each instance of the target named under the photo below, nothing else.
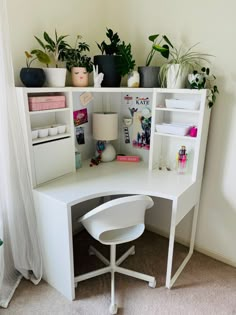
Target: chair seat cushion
(122, 235)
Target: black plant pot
(149, 76)
(32, 77)
(108, 65)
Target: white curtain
(20, 252)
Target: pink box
(127, 158)
(46, 102)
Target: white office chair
(115, 222)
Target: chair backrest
(118, 221)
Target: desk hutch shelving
(53, 156)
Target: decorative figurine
(97, 77)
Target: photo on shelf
(79, 132)
(80, 116)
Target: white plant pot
(176, 77)
(55, 77)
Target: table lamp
(105, 129)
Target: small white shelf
(175, 136)
(49, 138)
(187, 111)
(46, 111)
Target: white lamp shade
(105, 126)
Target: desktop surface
(113, 178)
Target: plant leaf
(28, 55)
(164, 50)
(168, 41)
(48, 39)
(153, 37)
(42, 56)
(40, 42)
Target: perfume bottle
(182, 160)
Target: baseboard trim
(196, 247)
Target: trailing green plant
(117, 47)
(204, 79)
(1, 242)
(54, 48)
(76, 57)
(187, 59)
(36, 55)
(164, 50)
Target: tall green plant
(115, 46)
(55, 48)
(112, 47)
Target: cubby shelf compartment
(165, 146)
(51, 138)
(52, 156)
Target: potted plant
(204, 79)
(174, 72)
(55, 49)
(126, 65)
(149, 75)
(116, 59)
(34, 77)
(78, 63)
(1, 242)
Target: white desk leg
(55, 233)
(170, 281)
(194, 226)
(171, 247)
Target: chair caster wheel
(113, 309)
(152, 284)
(90, 251)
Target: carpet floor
(205, 287)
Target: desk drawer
(53, 159)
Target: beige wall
(212, 23)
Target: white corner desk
(53, 202)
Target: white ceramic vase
(133, 79)
(55, 77)
(176, 77)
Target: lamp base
(108, 154)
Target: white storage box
(182, 104)
(174, 129)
